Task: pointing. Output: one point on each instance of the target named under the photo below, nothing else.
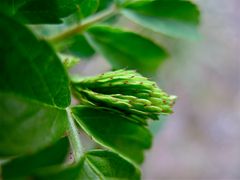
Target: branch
(78, 29)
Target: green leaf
(41, 11)
(30, 68)
(27, 166)
(26, 127)
(97, 165)
(125, 49)
(175, 18)
(34, 89)
(114, 131)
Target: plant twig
(74, 138)
(78, 29)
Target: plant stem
(101, 16)
(74, 138)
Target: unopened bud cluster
(127, 92)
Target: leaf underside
(175, 18)
(114, 132)
(97, 165)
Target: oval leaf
(34, 90)
(114, 132)
(27, 166)
(41, 11)
(125, 49)
(96, 165)
(26, 127)
(175, 18)
(30, 68)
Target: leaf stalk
(74, 138)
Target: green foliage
(27, 127)
(41, 11)
(176, 18)
(120, 135)
(33, 90)
(36, 162)
(139, 52)
(41, 77)
(97, 164)
(113, 109)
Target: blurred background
(201, 140)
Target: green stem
(74, 138)
(78, 29)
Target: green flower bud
(127, 92)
